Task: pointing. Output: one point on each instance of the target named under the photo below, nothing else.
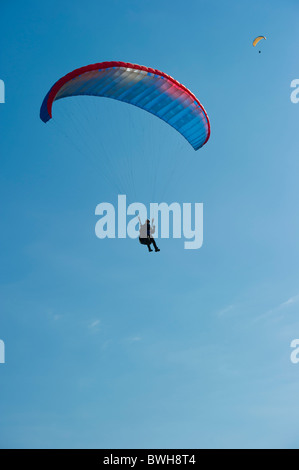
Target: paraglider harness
(145, 233)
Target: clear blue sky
(106, 345)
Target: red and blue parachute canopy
(147, 88)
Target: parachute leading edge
(144, 87)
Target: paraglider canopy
(257, 40)
(144, 87)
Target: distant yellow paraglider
(257, 40)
